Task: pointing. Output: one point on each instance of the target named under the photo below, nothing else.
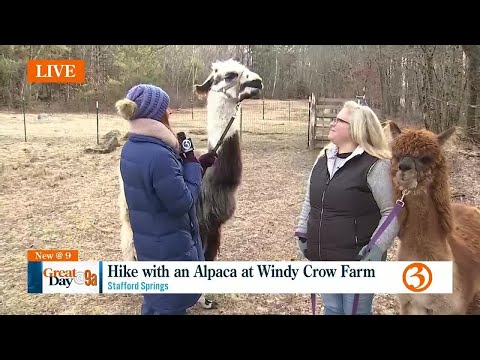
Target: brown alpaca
(432, 227)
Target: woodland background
(438, 85)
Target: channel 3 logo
(67, 277)
(187, 145)
(417, 277)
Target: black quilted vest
(343, 213)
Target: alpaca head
(417, 157)
(232, 79)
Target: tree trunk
(427, 89)
(276, 72)
(473, 80)
(381, 75)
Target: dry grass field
(55, 195)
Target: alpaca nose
(404, 167)
(256, 83)
(406, 164)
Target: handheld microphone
(186, 144)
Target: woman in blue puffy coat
(161, 187)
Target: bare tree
(473, 79)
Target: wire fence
(259, 121)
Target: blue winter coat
(161, 192)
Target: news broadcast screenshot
(240, 179)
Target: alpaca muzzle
(256, 84)
(250, 89)
(249, 93)
(407, 174)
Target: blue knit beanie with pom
(152, 101)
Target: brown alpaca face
(416, 156)
(412, 166)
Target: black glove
(302, 247)
(207, 160)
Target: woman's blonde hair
(125, 108)
(366, 130)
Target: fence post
(308, 121)
(98, 141)
(288, 110)
(312, 122)
(24, 119)
(263, 108)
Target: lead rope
(220, 141)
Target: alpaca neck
(220, 110)
(421, 232)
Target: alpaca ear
(394, 129)
(444, 136)
(205, 87)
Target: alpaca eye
(230, 75)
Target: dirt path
(53, 195)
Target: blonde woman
(348, 196)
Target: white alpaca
(228, 84)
